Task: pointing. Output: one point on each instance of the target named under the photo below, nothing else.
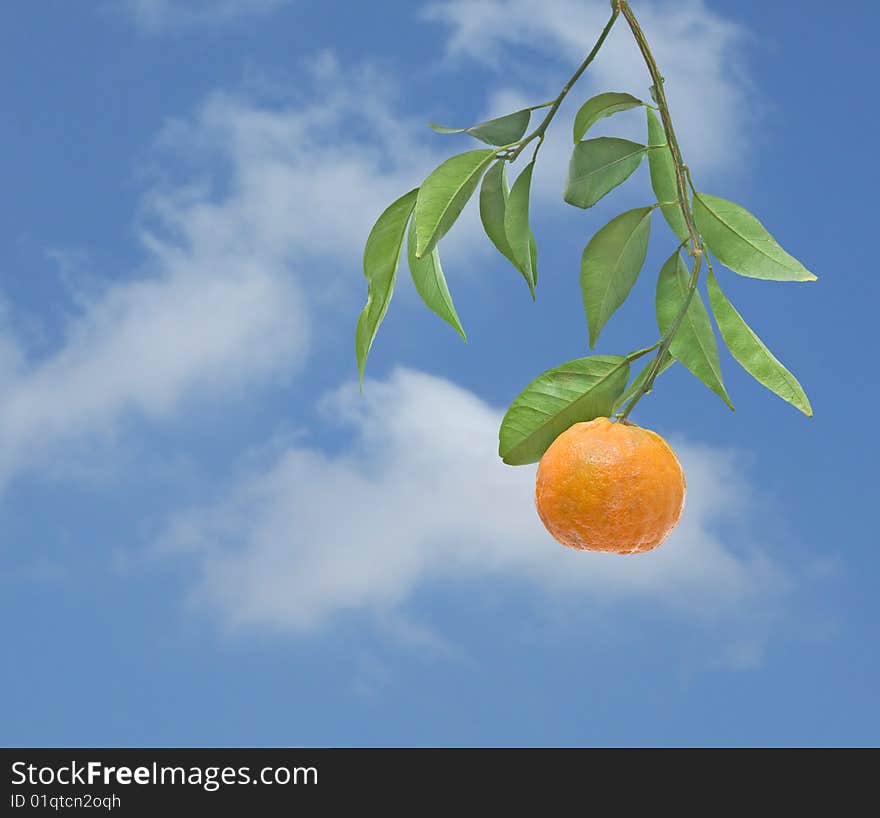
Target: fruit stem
(682, 180)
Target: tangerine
(606, 486)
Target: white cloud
(160, 15)
(262, 225)
(421, 496)
(194, 329)
(307, 177)
(228, 289)
(699, 52)
(304, 182)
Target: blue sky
(208, 536)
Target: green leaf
(431, 283)
(444, 194)
(381, 255)
(742, 243)
(494, 196)
(748, 349)
(579, 390)
(493, 205)
(663, 176)
(598, 166)
(611, 264)
(694, 344)
(504, 130)
(600, 106)
(533, 254)
(516, 226)
(639, 379)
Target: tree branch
(538, 133)
(682, 177)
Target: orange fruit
(606, 486)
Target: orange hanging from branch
(606, 486)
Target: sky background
(207, 537)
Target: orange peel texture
(604, 486)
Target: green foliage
(493, 206)
(381, 256)
(444, 194)
(494, 196)
(742, 243)
(598, 166)
(600, 106)
(748, 349)
(430, 282)
(694, 343)
(517, 230)
(611, 264)
(505, 130)
(579, 390)
(663, 176)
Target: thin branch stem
(634, 356)
(682, 181)
(666, 341)
(681, 170)
(538, 133)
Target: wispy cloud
(419, 497)
(308, 175)
(258, 195)
(143, 347)
(162, 15)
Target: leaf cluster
(611, 263)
